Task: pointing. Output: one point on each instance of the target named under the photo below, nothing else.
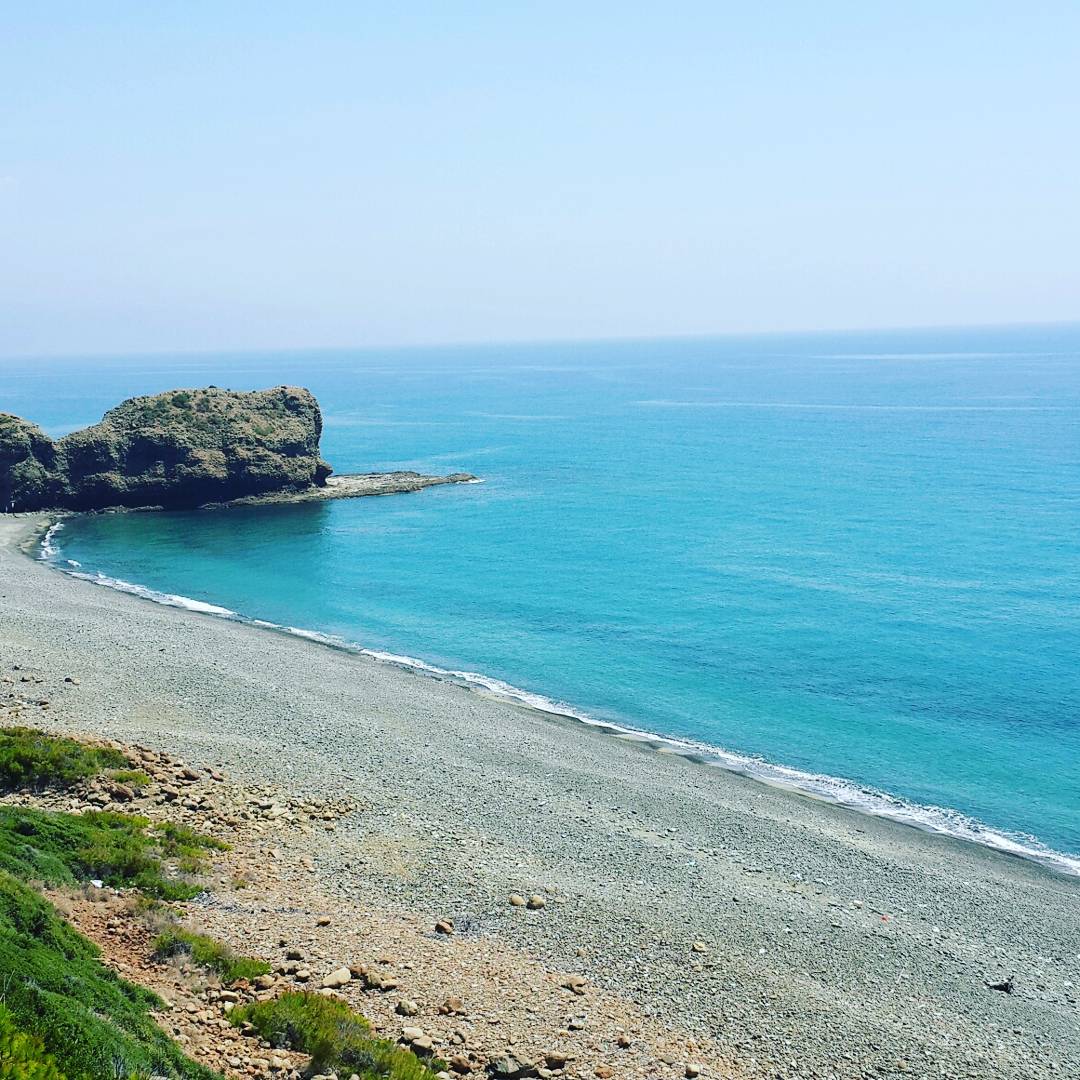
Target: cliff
(179, 449)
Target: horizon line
(247, 350)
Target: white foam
(832, 789)
(168, 599)
(48, 549)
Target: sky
(203, 175)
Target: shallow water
(856, 556)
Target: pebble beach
(793, 937)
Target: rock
(411, 1034)
(554, 1059)
(179, 449)
(536, 902)
(699, 947)
(405, 1007)
(575, 984)
(422, 1046)
(294, 954)
(336, 978)
(452, 1006)
(692, 1071)
(323, 920)
(603, 1071)
(444, 926)
(517, 900)
(460, 1064)
(511, 1068)
(264, 982)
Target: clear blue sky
(188, 175)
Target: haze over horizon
(277, 177)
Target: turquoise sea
(849, 562)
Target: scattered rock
(517, 900)
(336, 978)
(406, 1007)
(444, 926)
(536, 902)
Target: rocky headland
(184, 449)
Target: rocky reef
(184, 448)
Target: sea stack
(180, 449)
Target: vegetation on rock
(209, 953)
(337, 1038)
(31, 759)
(178, 449)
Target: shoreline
(843, 941)
(839, 791)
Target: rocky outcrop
(180, 449)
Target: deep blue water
(854, 555)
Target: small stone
(264, 982)
(556, 1060)
(699, 946)
(603, 1071)
(323, 920)
(422, 1046)
(692, 1071)
(452, 1006)
(517, 900)
(405, 1007)
(624, 1042)
(444, 926)
(294, 954)
(536, 902)
(411, 1034)
(460, 1064)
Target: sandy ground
(836, 944)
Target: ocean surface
(846, 562)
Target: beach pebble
(517, 900)
(536, 902)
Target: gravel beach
(801, 938)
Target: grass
(337, 1038)
(122, 850)
(54, 988)
(133, 778)
(32, 759)
(209, 953)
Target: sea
(847, 563)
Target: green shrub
(337, 1038)
(118, 849)
(22, 1056)
(133, 778)
(30, 758)
(56, 989)
(209, 953)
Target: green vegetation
(63, 1014)
(337, 1038)
(133, 778)
(22, 1056)
(209, 953)
(30, 758)
(118, 849)
(55, 989)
